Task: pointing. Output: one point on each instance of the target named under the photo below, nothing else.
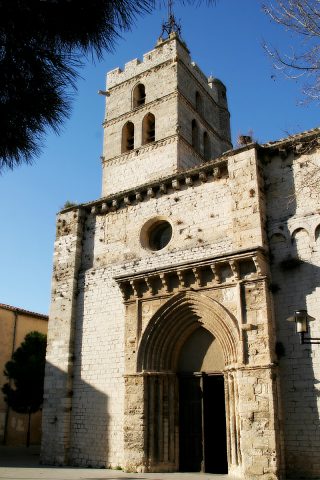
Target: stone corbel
(135, 287)
(203, 177)
(298, 148)
(182, 278)
(260, 264)
(164, 282)
(127, 201)
(104, 207)
(124, 286)
(198, 276)
(216, 276)
(115, 205)
(216, 172)
(150, 192)
(189, 181)
(176, 184)
(139, 197)
(235, 269)
(150, 285)
(163, 188)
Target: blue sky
(225, 41)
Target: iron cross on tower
(170, 26)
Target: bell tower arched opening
(148, 129)
(138, 96)
(127, 143)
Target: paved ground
(23, 464)
(18, 463)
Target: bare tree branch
(302, 17)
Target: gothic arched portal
(190, 324)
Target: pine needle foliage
(43, 43)
(42, 46)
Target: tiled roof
(22, 311)
(294, 138)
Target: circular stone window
(156, 234)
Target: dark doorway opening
(202, 423)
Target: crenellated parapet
(164, 50)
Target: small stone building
(15, 324)
(169, 347)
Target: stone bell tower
(163, 115)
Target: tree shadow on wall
(76, 426)
(84, 411)
(90, 420)
(295, 260)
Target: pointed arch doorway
(202, 413)
(190, 325)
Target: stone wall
(122, 310)
(58, 386)
(155, 333)
(293, 229)
(215, 212)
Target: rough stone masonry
(172, 290)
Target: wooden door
(190, 424)
(215, 438)
(202, 424)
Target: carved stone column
(151, 422)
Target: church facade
(168, 344)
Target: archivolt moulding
(171, 325)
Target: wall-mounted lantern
(302, 319)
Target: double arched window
(205, 149)
(148, 129)
(138, 95)
(128, 141)
(148, 133)
(127, 137)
